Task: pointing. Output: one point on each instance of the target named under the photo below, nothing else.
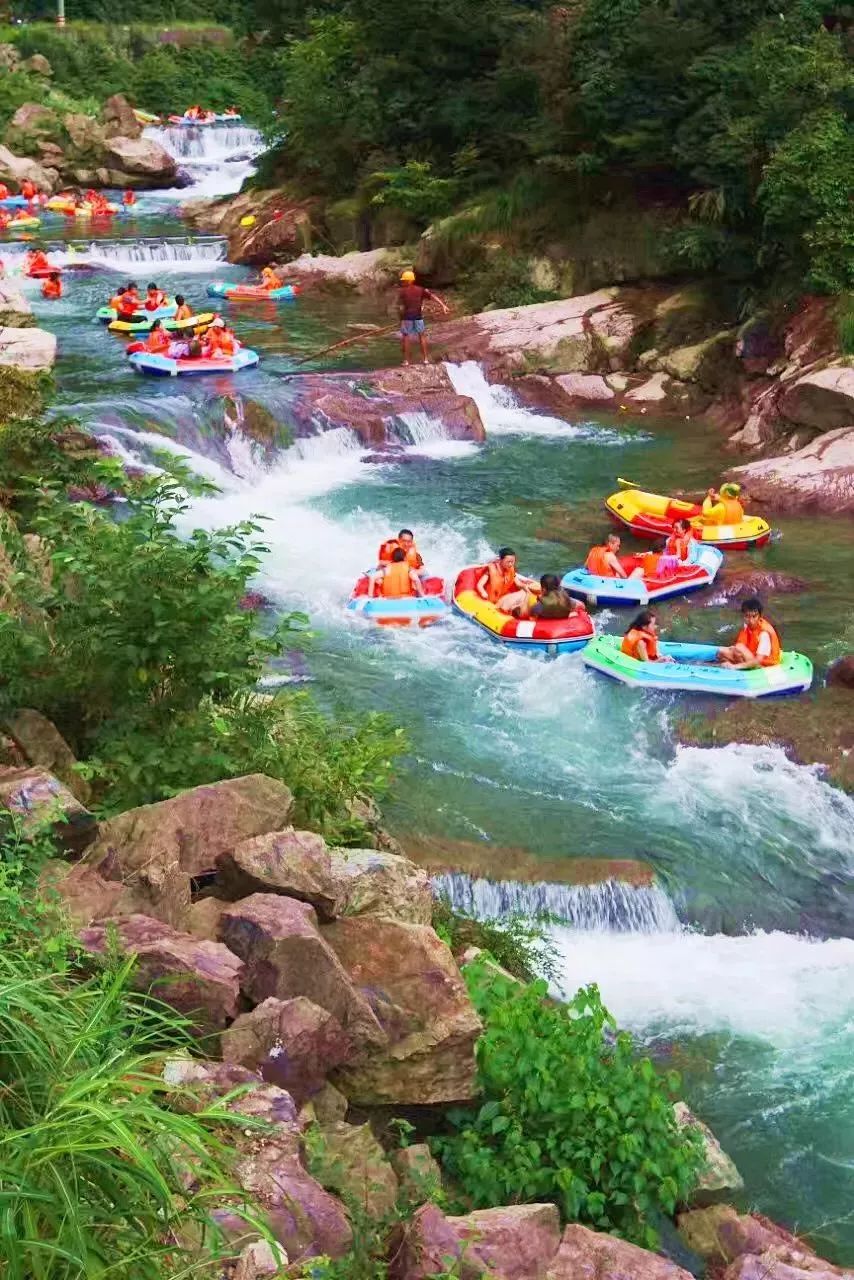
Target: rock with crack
(286, 957)
(513, 1242)
(720, 1234)
(199, 979)
(292, 1043)
(817, 478)
(352, 1164)
(36, 798)
(409, 978)
(295, 863)
(44, 746)
(143, 159)
(593, 1255)
(369, 882)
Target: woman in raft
(641, 639)
(502, 586)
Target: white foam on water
(503, 415)
(787, 990)
(209, 144)
(430, 439)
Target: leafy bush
(414, 189)
(570, 1114)
(93, 1152)
(136, 645)
(845, 323)
(502, 280)
(520, 945)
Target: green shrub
(845, 323)
(502, 279)
(520, 945)
(570, 1114)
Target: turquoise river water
(738, 967)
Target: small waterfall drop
(502, 413)
(610, 906)
(211, 144)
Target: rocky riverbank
(317, 974)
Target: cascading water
(217, 158)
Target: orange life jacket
(413, 556)
(750, 639)
(221, 343)
(129, 198)
(38, 262)
(157, 342)
(154, 301)
(733, 511)
(396, 581)
(631, 642)
(117, 301)
(499, 583)
(597, 564)
(677, 545)
(28, 189)
(52, 289)
(269, 279)
(649, 563)
(4, 191)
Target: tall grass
(845, 323)
(105, 1171)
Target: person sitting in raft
(52, 287)
(129, 198)
(405, 540)
(602, 561)
(269, 279)
(220, 344)
(733, 509)
(184, 311)
(641, 639)
(554, 602)
(127, 302)
(29, 190)
(757, 643)
(154, 298)
(502, 586)
(4, 191)
(396, 578)
(35, 260)
(21, 215)
(157, 343)
(679, 542)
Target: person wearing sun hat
(411, 299)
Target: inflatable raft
(70, 210)
(24, 224)
(173, 326)
(108, 314)
(651, 515)
(43, 273)
(251, 292)
(165, 367)
(550, 635)
(699, 571)
(209, 117)
(14, 202)
(687, 674)
(145, 117)
(408, 611)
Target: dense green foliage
(732, 122)
(157, 75)
(569, 1114)
(134, 640)
(94, 1151)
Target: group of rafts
(398, 593)
(24, 210)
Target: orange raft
(402, 611)
(549, 635)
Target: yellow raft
(651, 515)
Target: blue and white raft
(699, 570)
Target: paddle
(336, 346)
(628, 484)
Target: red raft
(550, 635)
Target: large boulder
(292, 1043)
(33, 350)
(369, 882)
(36, 797)
(199, 979)
(119, 119)
(711, 362)
(84, 894)
(785, 1263)
(286, 957)
(195, 827)
(351, 1163)
(593, 1255)
(718, 1177)
(823, 400)
(369, 272)
(32, 118)
(409, 978)
(720, 1234)
(142, 158)
(15, 309)
(819, 477)
(37, 64)
(739, 583)
(295, 863)
(516, 1242)
(43, 745)
(16, 169)
(86, 135)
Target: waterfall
(429, 436)
(610, 906)
(208, 145)
(124, 255)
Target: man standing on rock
(411, 299)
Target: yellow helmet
(408, 277)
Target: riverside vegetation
(134, 642)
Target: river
(738, 966)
